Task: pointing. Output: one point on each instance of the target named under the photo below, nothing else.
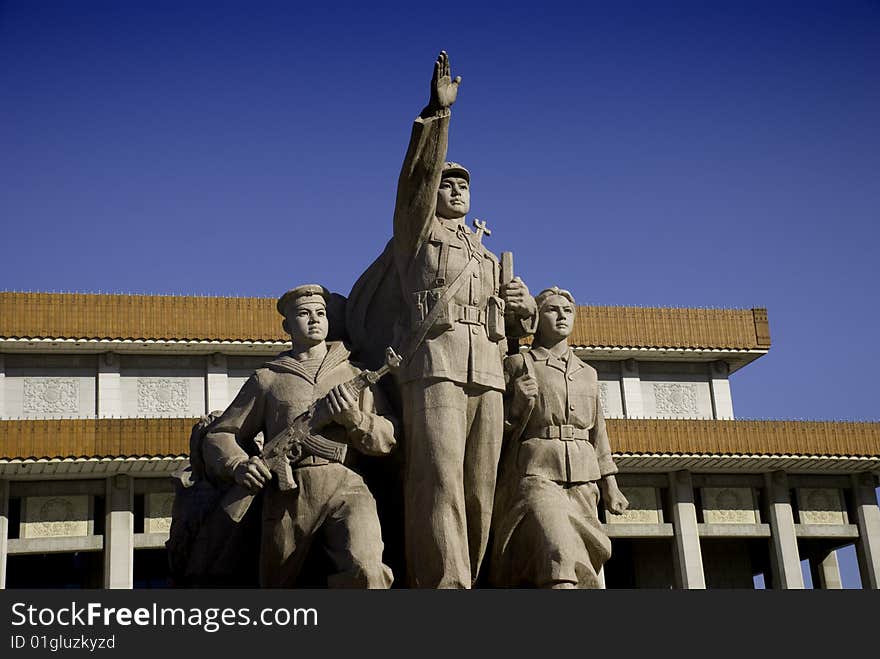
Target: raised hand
(444, 89)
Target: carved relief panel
(48, 386)
(162, 396)
(821, 505)
(157, 512)
(675, 399)
(728, 505)
(162, 386)
(55, 516)
(50, 396)
(611, 399)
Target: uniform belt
(324, 448)
(469, 315)
(566, 433)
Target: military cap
(542, 297)
(454, 169)
(301, 295)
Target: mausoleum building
(98, 394)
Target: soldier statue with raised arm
(438, 290)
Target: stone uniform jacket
(568, 395)
(429, 253)
(277, 394)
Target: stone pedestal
(119, 533)
(687, 553)
(785, 560)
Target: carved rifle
(301, 437)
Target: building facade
(98, 394)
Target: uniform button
(475, 275)
(571, 377)
(571, 407)
(475, 330)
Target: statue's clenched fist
(375, 444)
(342, 404)
(517, 298)
(615, 502)
(525, 389)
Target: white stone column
(686, 549)
(109, 386)
(2, 387)
(785, 559)
(216, 385)
(722, 401)
(4, 530)
(601, 576)
(633, 407)
(868, 520)
(119, 533)
(827, 573)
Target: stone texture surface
(728, 505)
(557, 460)
(316, 500)
(119, 533)
(722, 401)
(785, 558)
(633, 403)
(867, 514)
(216, 384)
(162, 386)
(157, 512)
(53, 516)
(109, 386)
(4, 529)
(644, 507)
(437, 294)
(611, 398)
(820, 506)
(828, 573)
(676, 399)
(687, 551)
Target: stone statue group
(488, 468)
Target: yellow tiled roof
(165, 317)
(77, 438)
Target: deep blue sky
(684, 155)
(657, 154)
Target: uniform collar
(567, 363)
(453, 225)
(337, 354)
